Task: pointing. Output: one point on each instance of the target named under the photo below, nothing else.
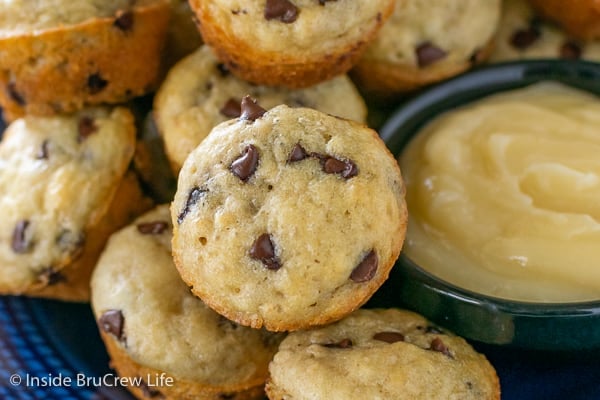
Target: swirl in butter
(504, 195)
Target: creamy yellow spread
(504, 195)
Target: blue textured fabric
(39, 338)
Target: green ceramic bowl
(561, 327)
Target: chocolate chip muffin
(64, 190)
(288, 218)
(425, 42)
(292, 43)
(580, 18)
(152, 325)
(380, 354)
(57, 56)
(524, 35)
(200, 92)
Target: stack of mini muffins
(288, 213)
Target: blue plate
(41, 339)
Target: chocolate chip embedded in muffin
(124, 19)
(231, 108)
(366, 269)
(245, 165)
(250, 110)
(86, 127)
(194, 196)
(152, 228)
(282, 10)
(389, 336)
(263, 250)
(96, 83)
(112, 321)
(21, 240)
(427, 53)
(570, 50)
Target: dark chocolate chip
(438, 345)
(263, 250)
(570, 50)
(42, 153)
(223, 70)
(250, 110)
(245, 165)
(20, 242)
(96, 83)
(342, 344)
(227, 396)
(231, 108)
(322, 2)
(523, 38)
(297, 154)
(282, 10)
(112, 321)
(428, 53)
(150, 392)
(366, 269)
(124, 20)
(195, 195)
(14, 94)
(346, 168)
(152, 228)
(389, 337)
(50, 276)
(86, 127)
(433, 329)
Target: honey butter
(504, 195)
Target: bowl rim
(410, 116)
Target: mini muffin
(57, 56)
(580, 18)
(288, 218)
(292, 43)
(425, 42)
(153, 326)
(380, 354)
(200, 93)
(182, 35)
(524, 35)
(64, 191)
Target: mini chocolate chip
(570, 50)
(297, 154)
(523, 38)
(346, 168)
(342, 344)
(150, 392)
(152, 228)
(245, 165)
(96, 83)
(112, 321)
(250, 110)
(428, 53)
(86, 127)
(20, 242)
(263, 250)
(14, 94)
(42, 153)
(195, 195)
(366, 269)
(50, 276)
(322, 2)
(223, 70)
(438, 345)
(389, 337)
(231, 108)
(227, 396)
(282, 10)
(433, 329)
(123, 19)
